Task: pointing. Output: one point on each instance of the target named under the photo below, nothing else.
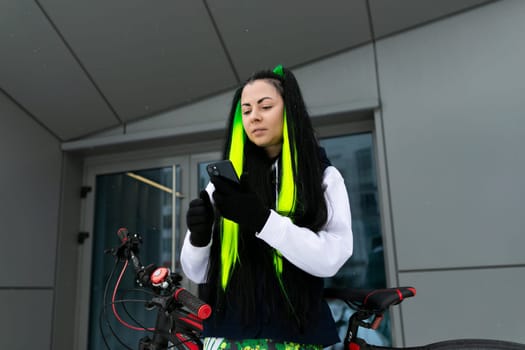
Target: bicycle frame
(179, 313)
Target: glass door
(147, 202)
(149, 197)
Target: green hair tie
(279, 70)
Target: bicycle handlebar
(194, 304)
(182, 326)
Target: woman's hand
(239, 204)
(199, 219)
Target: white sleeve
(194, 260)
(319, 253)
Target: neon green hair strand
(287, 191)
(230, 229)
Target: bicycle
(180, 313)
(370, 306)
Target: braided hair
(244, 269)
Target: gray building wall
(29, 202)
(452, 111)
(39, 217)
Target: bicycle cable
(171, 337)
(174, 327)
(124, 301)
(104, 312)
(113, 306)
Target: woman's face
(262, 116)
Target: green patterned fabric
(255, 344)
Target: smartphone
(223, 168)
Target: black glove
(238, 203)
(199, 219)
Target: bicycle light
(159, 276)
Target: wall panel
(29, 199)
(452, 97)
(483, 303)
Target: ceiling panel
(81, 67)
(393, 16)
(261, 34)
(146, 56)
(38, 71)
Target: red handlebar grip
(204, 312)
(194, 304)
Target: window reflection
(353, 156)
(141, 201)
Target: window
(352, 155)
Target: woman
(261, 248)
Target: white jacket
(319, 253)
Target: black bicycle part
(455, 344)
(369, 303)
(173, 324)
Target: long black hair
(254, 280)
